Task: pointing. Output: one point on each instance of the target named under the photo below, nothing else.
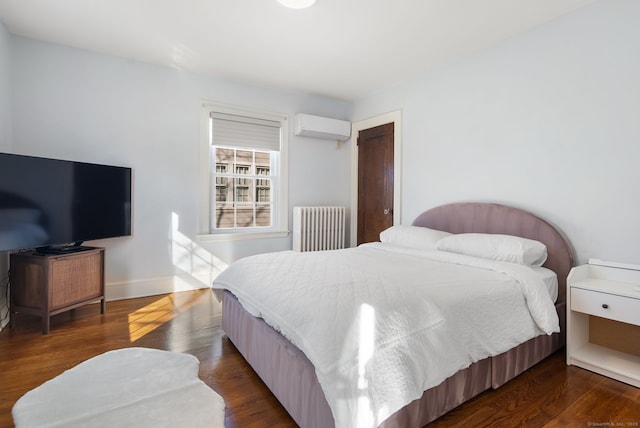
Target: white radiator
(318, 228)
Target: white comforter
(382, 324)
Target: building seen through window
(243, 188)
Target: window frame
(279, 179)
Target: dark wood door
(375, 182)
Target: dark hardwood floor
(549, 395)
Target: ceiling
(342, 49)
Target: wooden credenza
(48, 284)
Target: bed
(293, 379)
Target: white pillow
(412, 236)
(506, 248)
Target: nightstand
(603, 320)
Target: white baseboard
(152, 287)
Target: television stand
(49, 284)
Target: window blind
(245, 132)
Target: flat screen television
(55, 205)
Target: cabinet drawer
(624, 309)
(75, 279)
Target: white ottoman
(128, 387)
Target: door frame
(395, 117)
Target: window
(221, 169)
(245, 151)
(221, 182)
(263, 185)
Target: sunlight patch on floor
(154, 315)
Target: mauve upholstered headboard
(465, 217)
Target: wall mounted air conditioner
(307, 125)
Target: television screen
(58, 203)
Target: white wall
(5, 90)
(77, 105)
(5, 146)
(548, 121)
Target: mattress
(475, 309)
(291, 377)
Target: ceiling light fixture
(297, 4)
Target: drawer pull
(605, 306)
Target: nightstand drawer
(619, 308)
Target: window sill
(242, 236)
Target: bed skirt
(291, 377)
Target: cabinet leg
(45, 324)
(103, 305)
